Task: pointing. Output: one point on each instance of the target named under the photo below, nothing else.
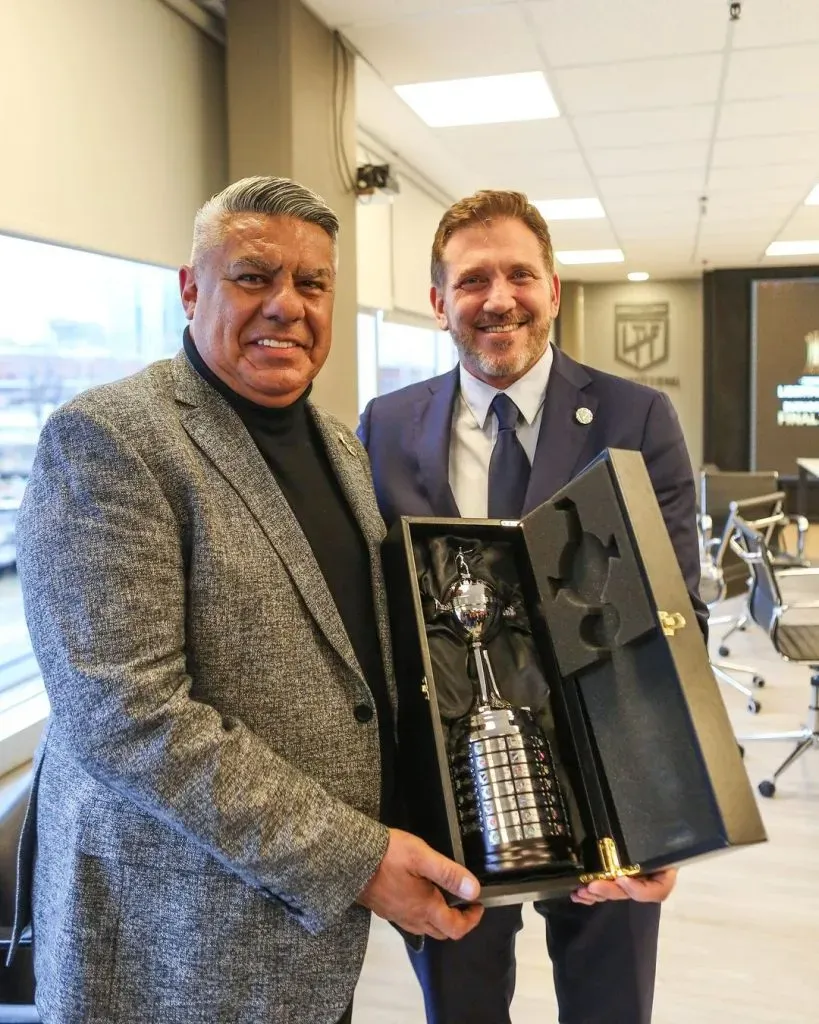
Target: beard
(505, 358)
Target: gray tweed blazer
(206, 802)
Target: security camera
(735, 10)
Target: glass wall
(68, 320)
(393, 353)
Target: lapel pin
(584, 416)
(346, 443)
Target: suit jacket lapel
(219, 432)
(564, 444)
(433, 426)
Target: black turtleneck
(292, 447)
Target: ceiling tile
(753, 176)
(583, 234)
(645, 127)
(773, 149)
(780, 71)
(795, 114)
(646, 159)
(670, 82)
(604, 31)
(678, 183)
(519, 139)
(777, 23)
(418, 51)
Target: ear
(188, 290)
(436, 298)
(555, 295)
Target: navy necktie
(509, 466)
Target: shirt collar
(528, 392)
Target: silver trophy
(511, 811)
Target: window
(393, 353)
(68, 320)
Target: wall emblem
(641, 334)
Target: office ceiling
(662, 102)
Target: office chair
(712, 592)
(786, 605)
(717, 489)
(766, 513)
(17, 981)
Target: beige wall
(685, 356)
(113, 125)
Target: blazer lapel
(219, 432)
(563, 442)
(433, 425)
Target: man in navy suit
(431, 447)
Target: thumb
(447, 874)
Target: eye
(252, 278)
(472, 281)
(521, 275)
(312, 285)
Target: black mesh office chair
(712, 592)
(718, 490)
(785, 604)
(17, 981)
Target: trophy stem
(483, 679)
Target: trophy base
(525, 857)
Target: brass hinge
(425, 688)
(612, 868)
(671, 622)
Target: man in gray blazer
(199, 555)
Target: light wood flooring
(740, 935)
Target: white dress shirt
(475, 430)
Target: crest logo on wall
(641, 334)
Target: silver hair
(272, 197)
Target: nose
(501, 297)
(283, 303)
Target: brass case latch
(671, 622)
(612, 868)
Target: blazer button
(363, 713)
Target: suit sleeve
(363, 429)
(669, 467)
(102, 564)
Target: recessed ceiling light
(577, 256)
(491, 100)
(638, 275)
(807, 248)
(813, 198)
(570, 209)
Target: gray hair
(272, 197)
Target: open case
(602, 644)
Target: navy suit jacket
(407, 433)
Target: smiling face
(498, 299)
(260, 305)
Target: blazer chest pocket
(112, 832)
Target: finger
(606, 890)
(447, 874)
(647, 890)
(584, 899)
(453, 923)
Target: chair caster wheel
(758, 682)
(724, 651)
(743, 627)
(767, 788)
(753, 706)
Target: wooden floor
(740, 936)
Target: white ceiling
(662, 102)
